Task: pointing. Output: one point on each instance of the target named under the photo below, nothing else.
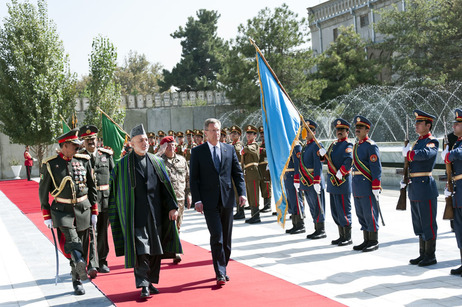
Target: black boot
(341, 234)
(346, 236)
(145, 292)
(240, 215)
(458, 271)
(319, 232)
(79, 264)
(364, 244)
(299, 225)
(421, 252)
(267, 205)
(429, 256)
(78, 287)
(373, 243)
(292, 217)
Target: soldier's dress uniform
(265, 178)
(339, 157)
(367, 173)
(70, 182)
(294, 196)
(250, 159)
(240, 214)
(308, 171)
(454, 156)
(152, 145)
(423, 192)
(189, 145)
(180, 147)
(102, 164)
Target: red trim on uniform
(410, 155)
(298, 204)
(297, 178)
(319, 206)
(425, 136)
(255, 191)
(372, 214)
(62, 241)
(363, 140)
(267, 191)
(344, 171)
(446, 159)
(344, 212)
(317, 179)
(72, 137)
(376, 184)
(94, 209)
(46, 214)
(342, 140)
(431, 219)
(64, 157)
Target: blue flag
(281, 123)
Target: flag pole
(285, 92)
(99, 109)
(64, 121)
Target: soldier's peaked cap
(235, 128)
(340, 123)
(362, 121)
(189, 132)
(160, 133)
(137, 130)
(312, 124)
(70, 136)
(261, 129)
(180, 134)
(458, 116)
(421, 115)
(151, 135)
(251, 129)
(88, 132)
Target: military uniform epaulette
(82, 156)
(370, 141)
(49, 159)
(106, 150)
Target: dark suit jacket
(205, 182)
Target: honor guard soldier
(199, 137)
(235, 135)
(68, 177)
(189, 145)
(308, 172)
(250, 159)
(265, 178)
(423, 192)
(102, 164)
(223, 135)
(339, 157)
(453, 155)
(171, 133)
(160, 136)
(367, 173)
(294, 195)
(181, 146)
(152, 142)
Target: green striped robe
(122, 210)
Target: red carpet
(190, 283)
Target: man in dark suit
(213, 168)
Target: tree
(425, 40)
(201, 52)
(344, 65)
(138, 76)
(36, 85)
(280, 35)
(103, 90)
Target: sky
(144, 26)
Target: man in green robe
(142, 212)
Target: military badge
(298, 154)
(339, 122)
(431, 145)
(358, 119)
(373, 158)
(348, 150)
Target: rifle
(402, 193)
(448, 209)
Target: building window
(364, 20)
(335, 32)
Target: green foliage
(344, 65)
(138, 76)
(425, 40)
(201, 52)
(280, 35)
(36, 85)
(104, 92)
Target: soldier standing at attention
(29, 162)
(235, 135)
(102, 164)
(178, 171)
(250, 158)
(68, 177)
(160, 136)
(309, 172)
(152, 142)
(223, 136)
(339, 157)
(181, 146)
(189, 145)
(265, 178)
(199, 137)
(367, 172)
(423, 192)
(294, 195)
(453, 154)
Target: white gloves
(376, 194)
(444, 152)
(322, 152)
(317, 188)
(48, 223)
(297, 185)
(94, 220)
(402, 184)
(339, 175)
(406, 150)
(447, 193)
(267, 167)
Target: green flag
(113, 136)
(65, 126)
